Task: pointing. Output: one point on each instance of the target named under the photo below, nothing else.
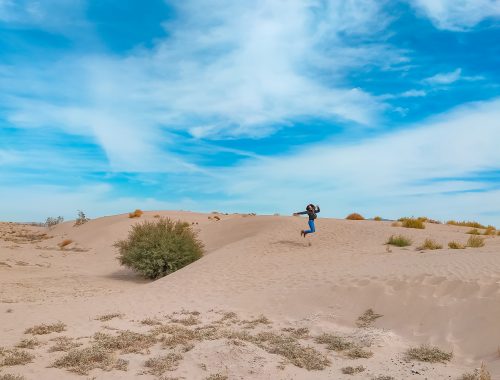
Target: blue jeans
(311, 228)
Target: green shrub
(399, 240)
(475, 242)
(429, 244)
(157, 248)
(412, 223)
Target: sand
(258, 276)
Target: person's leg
(311, 228)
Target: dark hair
(310, 205)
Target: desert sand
(257, 277)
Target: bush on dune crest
(157, 248)
(355, 216)
(464, 223)
(413, 222)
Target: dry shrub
(135, 214)
(471, 224)
(399, 241)
(261, 320)
(426, 353)
(359, 353)
(108, 317)
(355, 216)
(474, 231)
(150, 322)
(46, 329)
(15, 356)
(187, 321)
(126, 342)
(334, 342)
(297, 333)
(157, 248)
(83, 360)
(217, 376)
(81, 219)
(156, 216)
(377, 218)
(490, 231)
(30, 343)
(64, 243)
(456, 245)
(352, 370)
(478, 374)
(8, 376)
(63, 343)
(367, 318)
(429, 244)
(160, 364)
(412, 223)
(51, 222)
(475, 242)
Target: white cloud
(405, 172)
(228, 69)
(457, 15)
(414, 94)
(445, 78)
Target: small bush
(429, 244)
(429, 354)
(359, 353)
(474, 231)
(352, 370)
(81, 219)
(377, 218)
(475, 242)
(490, 231)
(155, 249)
(334, 342)
(412, 223)
(135, 214)
(455, 245)
(217, 376)
(354, 216)
(465, 224)
(159, 365)
(367, 318)
(399, 241)
(30, 343)
(478, 374)
(8, 376)
(50, 222)
(46, 329)
(15, 357)
(83, 360)
(108, 317)
(63, 343)
(64, 243)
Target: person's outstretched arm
(300, 213)
(317, 209)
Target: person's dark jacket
(311, 213)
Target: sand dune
(257, 266)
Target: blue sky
(387, 108)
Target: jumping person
(311, 211)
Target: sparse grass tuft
(108, 317)
(297, 333)
(150, 322)
(377, 218)
(456, 245)
(383, 377)
(261, 320)
(46, 329)
(426, 353)
(355, 216)
(471, 224)
(8, 376)
(160, 364)
(490, 231)
(64, 243)
(352, 370)
(217, 376)
(126, 341)
(191, 320)
(83, 360)
(30, 343)
(412, 223)
(399, 241)
(429, 244)
(157, 248)
(359, 353)
(475, 242)
(135, 214)
(478, 374)
(474, 231)
(63, 343)
(15, 356)
(334, 342)
(367, 318)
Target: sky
(385, 108)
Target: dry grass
(83, 360)
(334, 342)
(471, 224)
(261, 320)
(396, 224)
(429, 244)
(352, 370)
(367, 318)
(217, 376)
(8, 376)
(46, 329)
(490, 231)
(15, 356)
(399, 241)
(359, 353)
(135, 214)
(478, 374)
(30, 343)
(475, 242)
(126, 342)
(150, 322)
(426, 353)
(158, 365)
(108, 317)
(456, 245)
(297, 333)
(474, 231)
(191, 320)
(156, 216)
(383, 377)
(64, 243)
(63, 343)
(355, 216)
(412, 223)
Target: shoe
(302, 233)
